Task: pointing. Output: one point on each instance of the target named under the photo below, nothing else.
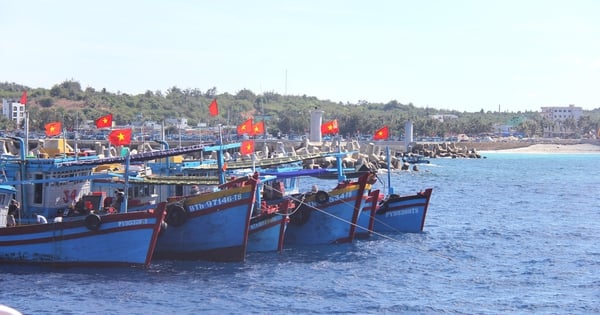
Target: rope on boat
(387, 237)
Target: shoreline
(548, 148)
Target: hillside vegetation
(287, 114)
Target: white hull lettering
(409, 211)
(215, 202)
(262, 223)
(132, 222)
(333, 198)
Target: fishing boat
(220, 232)
(413, 158)
(326, 217)
(404, 214)
(270, 218)
(394, 212)
(211, 225)
(46, 187)
(121, 239)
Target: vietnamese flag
(104, 121)
(245, 127)
(247, 147)
(330, 127)
(53, 129)
(213, 108)
(381, 134)
(24, 98)
(258, 128)
(120, 136)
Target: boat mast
(389, 173)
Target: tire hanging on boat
(322, 197)
(93, 222)
(300, 215)
(176, 215)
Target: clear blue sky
(445, 54)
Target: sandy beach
(551, 148)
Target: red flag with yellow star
(53, 128)
(258, 128)
(247, 147)
(381, 134)
(245, 127)
(120, 136)
(104, 121)
(330, 127)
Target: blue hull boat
(267, 229)
(121, 239)
(267, 222)
(402, 213)
(327, 217)
(393, 213)
(211, 226)
(54, 186)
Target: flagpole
(75, 134)
(126, 184)
(64, 132)
(108, 139)
(220, 159)
(26, 133)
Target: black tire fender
(322, 197)
(176, 215)
(93, 222)
(300, 215)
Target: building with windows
(563, 113)
(13, 110)
(563, 120)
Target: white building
(558, 115)
(561, 113)
(181, 123)
(14, 111)
(443, 117)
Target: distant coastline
(545, 148)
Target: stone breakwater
(446, 149)
(372, 155)
(359, 156)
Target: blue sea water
(509, 233)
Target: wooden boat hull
(214, 227)
(267, 232)
(404, 214)
(120, 239)
(316, 221)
